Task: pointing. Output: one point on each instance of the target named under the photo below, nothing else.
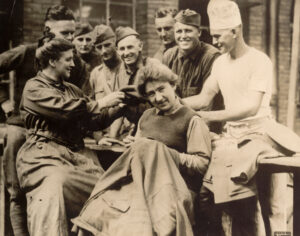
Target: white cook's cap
(223, 14)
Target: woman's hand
(107, 141)
(128, 140)
(112, 99)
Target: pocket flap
(121, 205)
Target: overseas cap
(102, 32)
(223, 14)
(123, 32)
(82, 28)
(188, 17)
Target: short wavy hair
(50, 47)
(154, 72)
(165, 11)
(59, 12)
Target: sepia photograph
(149, 118)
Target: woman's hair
(50, 48)
(154, 72)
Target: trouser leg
(272, 190)
(15, 139)
(59, 198)
(241, 218)
(209, 215)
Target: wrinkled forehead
(167, 21)
(84, 36)
(61, 25)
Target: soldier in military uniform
(84, 45)
(164, 24)
(105, 79)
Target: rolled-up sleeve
(12, 59)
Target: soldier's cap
(188, 17)
(102, 33)
(82, 28)
(123, 32)
(223, 14)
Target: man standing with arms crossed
(244, 77)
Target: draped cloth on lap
(142, 193)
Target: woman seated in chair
(54, 169)
(150, 189)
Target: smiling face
(186, 36)
(64, 64)
(161, 95)
(83, 44)
(107, 49)
(62, 29)
(165, 29)
(129, 49)
(224, 39)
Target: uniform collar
(140, 63)
(113, 62)
(165, 48)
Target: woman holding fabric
(55, 170)
(150, 189)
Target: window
(110, 12)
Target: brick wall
(34, 15)
(284, 54)
(256, 27)
(257, 38)
(141, 22)
(34, 12)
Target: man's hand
(112, 99)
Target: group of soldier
(106, 67)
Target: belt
(245, 127)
